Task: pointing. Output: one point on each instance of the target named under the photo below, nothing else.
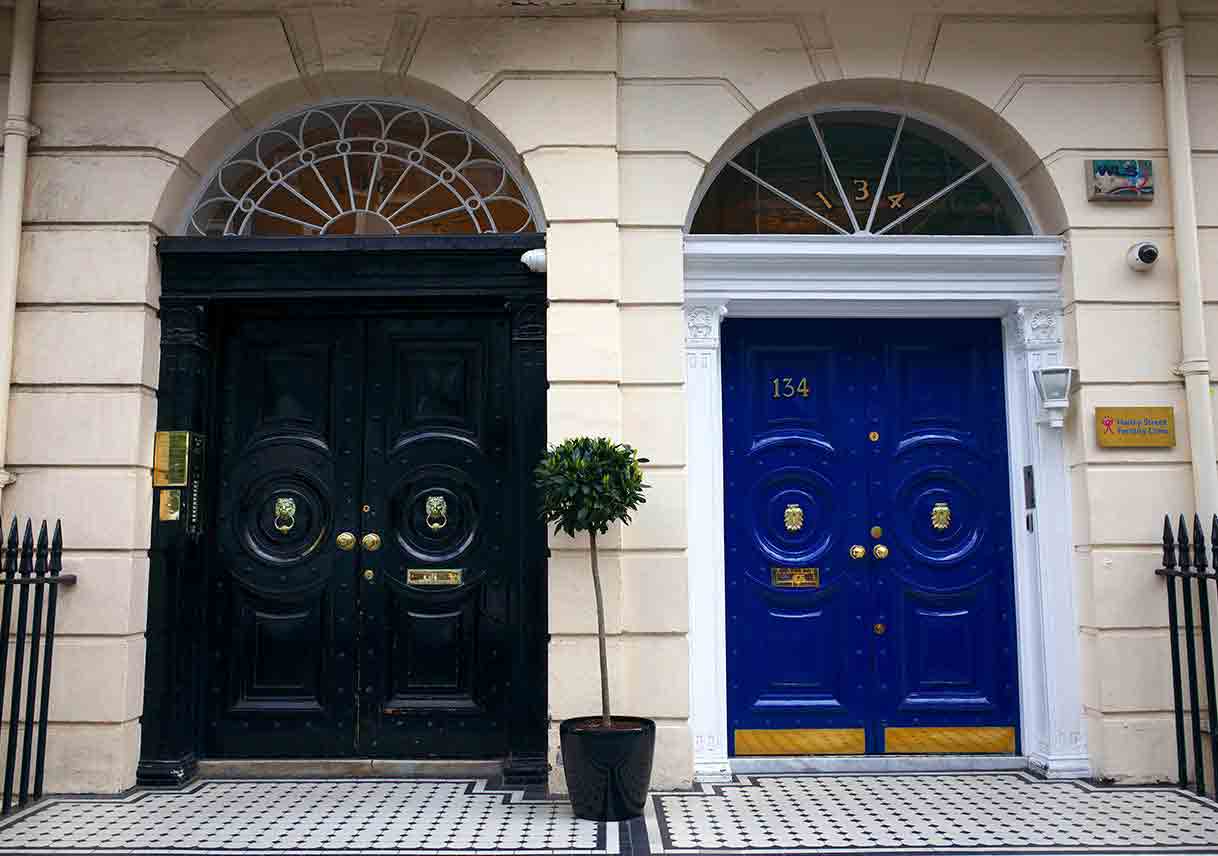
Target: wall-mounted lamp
(1053, 384)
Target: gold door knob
(879, 551)
(345, 541)
(369, 574)
(858, 551)
(879, 628)
(371, 542)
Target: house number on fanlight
(862, 193)
(785, 387)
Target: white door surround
(1015, 278)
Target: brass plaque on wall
(171, 458)
(169, 505)
(434, 576)
(795, 577)
(1144, 427)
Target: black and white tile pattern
(907, 814)
(337, 817)
(920, 813)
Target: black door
(366, 550)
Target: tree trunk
(606, 721)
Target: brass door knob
(858, 551)
(879, 628)
(371, 542)
(369, 574)
(879, 551)
(345, 541)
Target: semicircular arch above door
(362, 168)
(859, 172)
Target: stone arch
(228, 134)
(965, 118)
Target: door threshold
(877, 764)
(347, 768)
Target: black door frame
(200, 278)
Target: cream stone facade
(616, 116)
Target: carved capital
(184, 324)
(702, 325)
(1036, 327)
(529, 322)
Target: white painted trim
(1013, 278)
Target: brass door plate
(171, 459)
(434, 576)
(800, 741)
(169, 506)
(964, 740)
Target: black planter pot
(608, 770)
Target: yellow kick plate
(911, 741)
(800, 741)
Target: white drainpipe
(17, 134)
(1194, 365)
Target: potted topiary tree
(585, 485)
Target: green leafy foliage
(587, 483)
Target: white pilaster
(707, 667)
(1055, 740)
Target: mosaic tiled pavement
(955, 814)
(928, 813)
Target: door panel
(793, 494)
(438, 475)
(283, 602)
(897, 442)
(940, 487)
(393, 427)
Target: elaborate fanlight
(865, 173)
(363, 168)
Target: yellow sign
(171, 458)
(433, 576)
(795, 577)
(1145, 427)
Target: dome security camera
(1142, 255)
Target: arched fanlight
(367, 168)
(864, 173)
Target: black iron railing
(31, 569)
(1191, 568)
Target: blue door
(870, 602)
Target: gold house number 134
(785, 387)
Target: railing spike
(56, 563)
(1169, 544)
(1182, 555)
(1199, 558)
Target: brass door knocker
(437, 512)
(941, 515)
(285, 513)
(793, 517)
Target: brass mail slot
(795, 577)
(433, 576)
(171, 458)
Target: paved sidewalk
(942, 814)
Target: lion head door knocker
(941, 515)
(437, 513)
(285, 513)
(793, 517)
